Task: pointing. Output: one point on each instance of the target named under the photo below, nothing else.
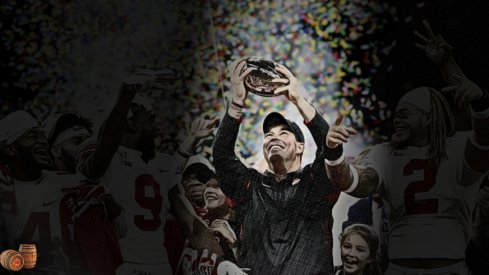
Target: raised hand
(434, 46)
(339, 133)
(145, 79)
(237, 76)
(202, 127)
(290, 91)
(223, 227)
(465, 92)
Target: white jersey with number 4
(429, 213)
(142, 191)
(30, 214)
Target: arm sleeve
(233, 176)
(318, 127)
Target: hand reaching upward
(338, 133)
(434, 46)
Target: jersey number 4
(38, 221)
(151, 202)
(428, 206)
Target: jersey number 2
(152, 203)
(428, 206)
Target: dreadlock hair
(442, 124)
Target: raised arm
(232, 174)
(357, 180)
(96, 163)
(199, 129)
(477, 148)
(293, 94)
(197, 232)
(312, 118)
(464, 92)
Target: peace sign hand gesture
(434, 46)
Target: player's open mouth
(42, 154)
(399, 126)
(41, 151)
(400, 129)
(211, 197)
(197, 195)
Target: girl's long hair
(371, 238)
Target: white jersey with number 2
(430, 213)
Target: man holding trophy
(286, 220)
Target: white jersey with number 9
(142, 191)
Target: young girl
(359, 245)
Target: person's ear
(10, 150)
(56, 152)
(132, 126)
(300, 148)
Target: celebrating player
(86, 210)
(478, 250)
(29, 194)
(287, 221)
(138, 177)
(425, 174)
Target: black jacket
(285, 226)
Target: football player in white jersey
(29, 194)
(65, 133)
(425, 174)
(478, 249)
(125, 161)
(88, 214)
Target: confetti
(74, 57)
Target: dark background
(73, 55)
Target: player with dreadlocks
(438, 131)
(426, 174)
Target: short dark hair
(201, 172)
(275, 119)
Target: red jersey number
(428, 206)
(151, 202)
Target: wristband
(184, 154)
(477, 145)
(234, 107)
(336, 161)
(480, 106)
(237, 105)
(332, 154)
(354, 184)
